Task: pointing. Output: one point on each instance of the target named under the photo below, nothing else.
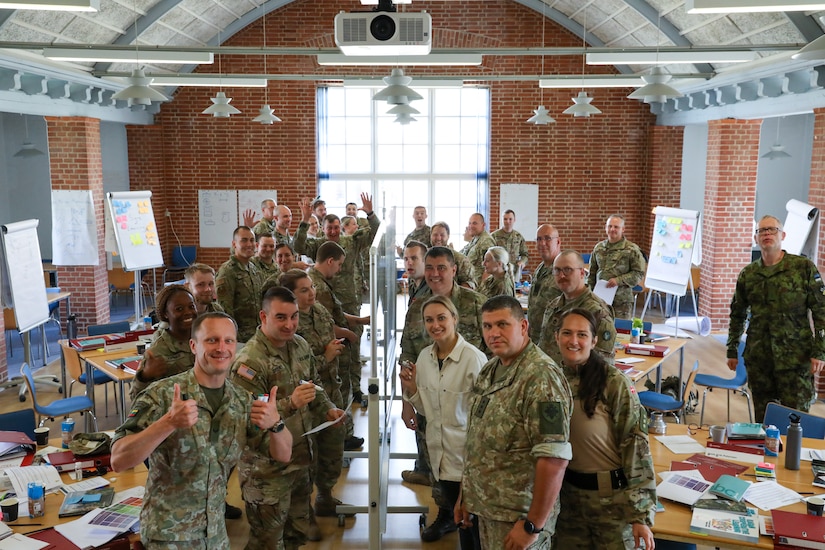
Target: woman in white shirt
(439, 385)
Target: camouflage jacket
(325, 296)
(282, 238)
(464, 273)
(475, 251)
(264, 227)
(491, 286)
(176, 354)
(468, 302)
(265, 270)
(518, 413)
(239, 293)
(317, 328)
(543, 291)
(515, 245)
(778, 298)
(592, 303)
(623, 261)
(188, 471)
(421, 235)
(627, 421)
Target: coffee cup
(141, 348)
(41, 435)
(816, 506)
(717, 433)
(10, 508)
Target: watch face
(529, 527)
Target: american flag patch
(246, 372)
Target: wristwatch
(530, 528)
(279, 427)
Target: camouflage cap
(90, 444)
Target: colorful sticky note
(136, 239)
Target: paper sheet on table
(606, 294)
(85, 535)
(325, 425)
(662, 328)
(690, 323)
(630, 360)
(681, 444)
(810, 454)
(21, 477)
(767, 495)
(21, 542)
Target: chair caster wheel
(341, 518)
(422, 521)
(365, 401)
(22, 398)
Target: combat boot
(325, 504)
(442, 525)
(313, 531)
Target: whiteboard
(217, 217)
(799, 222)
(135, 230)
(671, 249)
(523, 199)
(24, 287)
(74, 228)
(252, 199)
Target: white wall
(694, 164)
(782, 179)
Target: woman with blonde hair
(497, 278)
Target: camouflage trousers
(327, 461)
(623, 304)
(791, 387)
(354, 367)
(589, 521)
(492, 534)
(282, 520)
(218, 542)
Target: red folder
(798, 530)
(65, 461)
(711, 472)
(57, 541)
(651, 350)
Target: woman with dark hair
(608, 498)
(169, 353)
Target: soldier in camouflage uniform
(518, 436)
(608, 499)
(498, 279)
(267, 224)
(568, 269)
(169, 353)
(348, 284)
(193, 427)
(781, 353)
(544, 289)
(421, 233)
(200, 281)
(239, 284)
(414, 252)
(620, 263)
(277, 495)
(464, 276)
(283, 220)
(264, 256)
(513, 242)
(479, 242)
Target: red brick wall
(730, 202)
(586, 168)
(816, 196)
(75, 163)
(665, 165)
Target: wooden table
(650, 363)
(674, 522)
(96, 359)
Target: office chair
(660, 402)
(736, 384)
(108, 328)
(812, 426)
(60, 407)
(18, 421)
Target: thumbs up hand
(184, 412)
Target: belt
(590, 482)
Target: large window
(439, 161)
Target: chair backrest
(26, 371)
(625, 325)
(812, 426)
(741, 376)
(689, 382)
(71, 358)
(184, 256)
(108, 328)
(8, 318)
(19, 421)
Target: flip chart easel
(672, 252)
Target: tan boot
(325, 504)
(314, 532)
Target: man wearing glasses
(781, 353)
(568, 270)
(544, 288)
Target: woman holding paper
(608, 498)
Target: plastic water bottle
(771, 441)
(147, 323)
(37, 499)
(66, 429)
(794, 443)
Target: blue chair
(661, 402)
(735, 384)
(60, 407)
(812, 426)
(184, 256)
(108, 328)
(18, 421)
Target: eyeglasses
(545, 239)
(566, 270)
(694, 428)
(768, 230)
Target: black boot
(442, 525)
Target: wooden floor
(402, 529)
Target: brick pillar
(664, 173)
(4, 365)
(75, 162)
(816, 197)
(730, 203)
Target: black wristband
(370, 213)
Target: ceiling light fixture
(398, 92)
(541, 116)
(777, 149)
(139, 92)
(433, 59)
(265, 113)
(127, 56)
(751, 6)
(52, 5)
(656, 89)
(28, 149)
(666, 58)
(581, 107)
(220, 107)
